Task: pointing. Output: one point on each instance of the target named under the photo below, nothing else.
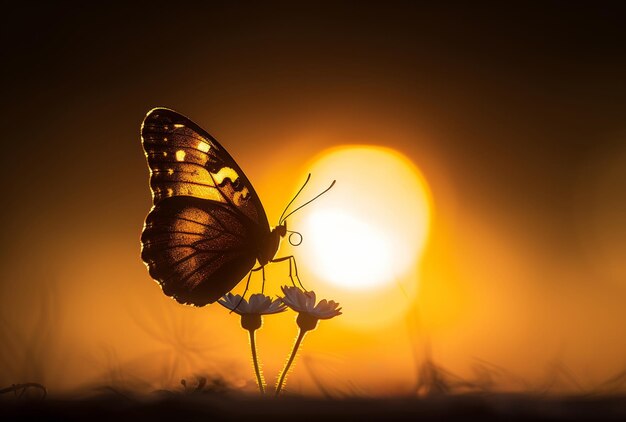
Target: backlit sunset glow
(363, 241)
(418, 205)
(372, 227)
(348, 252)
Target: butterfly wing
(196, 249)
(207, 224)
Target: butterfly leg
(263, 285)
(291, 258)
(295, 266)
(262, 268)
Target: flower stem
(281, 381)
(255, 361)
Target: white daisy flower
(309, 312)
(251, 311)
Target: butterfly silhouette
(207, 227)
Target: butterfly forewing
(184, 160)
(207, 224)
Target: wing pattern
(184, 160)
(207, 223)
(196, 249)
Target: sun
(348, 251)
(370, 229)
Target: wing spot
(180, 155)
(170, 171)
(165, 139)
(240, 197)
(178, 125)
(203, 146)
(164, 153)
(225, 173)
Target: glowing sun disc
(343, 263)
(370, 229)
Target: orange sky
(514, 117)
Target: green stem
(255, 361)
(281, 381)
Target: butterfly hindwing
(196, 249)
(207, 223)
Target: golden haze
(484, 289)
(519, 135)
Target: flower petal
(294, 298)
(231, 301)
(256, 302)
(276, 306)
(309, 299)
(322, 305)
(330, 314)
(304, 302)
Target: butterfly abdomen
(267, 251)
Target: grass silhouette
(28, 358)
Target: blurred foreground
(223, 405)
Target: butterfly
(207, 227)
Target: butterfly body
(207, 227)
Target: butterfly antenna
(280, 220)
(308, 202)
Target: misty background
(514, 113)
